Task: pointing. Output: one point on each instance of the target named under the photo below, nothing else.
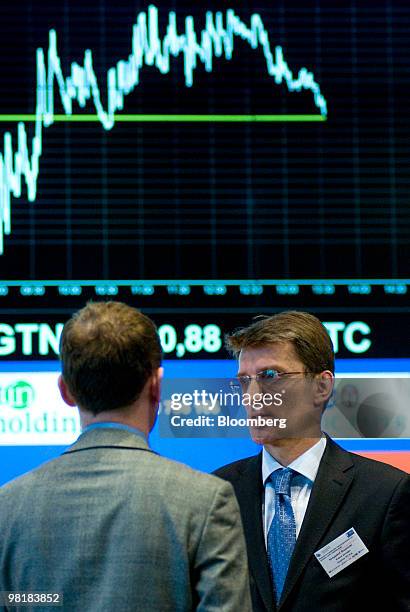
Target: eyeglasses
(263, 378)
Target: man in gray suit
(111, 525)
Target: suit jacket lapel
(249, 490)
(332, 482)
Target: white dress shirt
(306, 465)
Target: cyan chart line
(215, 40)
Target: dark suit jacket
(349, 491)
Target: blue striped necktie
(282, 532)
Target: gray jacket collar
(108, 437)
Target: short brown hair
(308, 335)
(108, 350)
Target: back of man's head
(108, 351)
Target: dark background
(217, 201)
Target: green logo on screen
(19, 395)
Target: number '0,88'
(196, 338)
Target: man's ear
(156, 385)
(65, 393)
(324, 386)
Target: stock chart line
(179, 118)
(216, 39)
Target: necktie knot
(281, 480)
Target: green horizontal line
(174, 118)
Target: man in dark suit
(304, 492)
(110, 524)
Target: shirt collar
(114, 425)
(306, 464)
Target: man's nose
(253, 387)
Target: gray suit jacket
(113, 526)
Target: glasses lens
(235, 386)
(244, 382)
(267, 377)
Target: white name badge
(341, 552)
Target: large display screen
(206, 162)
